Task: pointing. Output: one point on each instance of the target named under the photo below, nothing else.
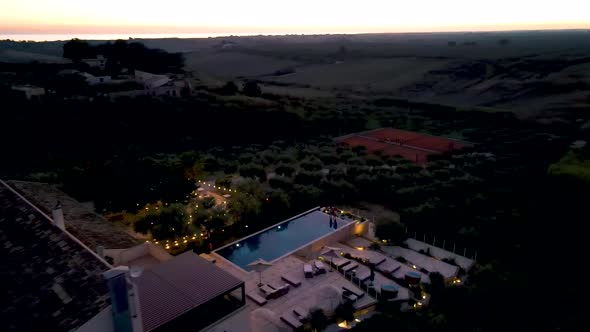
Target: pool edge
(269, 227)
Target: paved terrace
(304, 296)
(439, 253)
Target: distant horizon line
(40, 37)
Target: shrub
(224, 182)
(285, 170)
(208, 202)
(375, 246)
(251, 89)
(318, 319)
(279, 182)
(344, 312)
(390, 230)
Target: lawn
(573, 164)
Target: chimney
(58, 216)
(100, 251)
(124, 300)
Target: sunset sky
(275, 16)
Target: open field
(538, 74)
(369, 75)
(230, 65)
(22, 56)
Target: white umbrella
(259, 265)
(331, 252)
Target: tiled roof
(92, 229)
(50, 281)
(174, 287)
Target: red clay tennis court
(410, 145)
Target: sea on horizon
(114, 36)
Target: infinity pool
(280, 239)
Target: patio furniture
(363, 276)
(256, 298)
(277, 292)
(347, 295)
(319, 267)
(266, 289)
(301, 314)
(353, 291)
(340, 262)
(377, 260)
(291, 280)
(388, 267)
(292, 321)
(307, 271)
(349, 267)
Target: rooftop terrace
(51, 282)
(90, 228)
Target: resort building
(99, 62)
(69, 273)
(59, 283)
(29, 91)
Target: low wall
(313, 249)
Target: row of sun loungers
(270, 291)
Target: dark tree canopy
(251, 89)
(122, 54)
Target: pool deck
(304, 296)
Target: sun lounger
(388, 267)
(266, 289)
(349, 267)
(340, 262)
(291, 280)
(274, 293)
(377, 260)
(276, 285)
(301, 314)
(349, 296)
(307, 271)
(363, 276)
(256, 298)
(354, 291)
(291, 321)
(319, 267)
